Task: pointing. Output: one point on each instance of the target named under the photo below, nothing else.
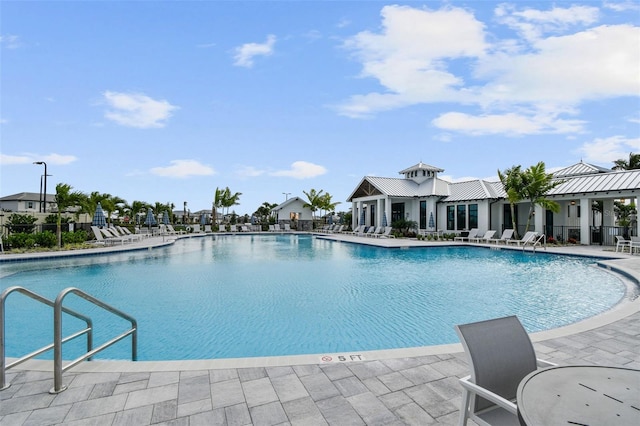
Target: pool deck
(415, 386)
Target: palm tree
(65, 198)
(512, 182)
(326, 204)
(536, 185)
(314, 201)
(112, 203)
(632, 164)
(135, 208)
(229, 200)
(217, 203)
(264, 212)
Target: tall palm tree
(65, 198)
(135, 208)
(314, 201)
(632, 163)
(326, 204)
(112, 203)
(536, 185)
(217, 203)
(229, 200)
(512, 181)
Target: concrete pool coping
(624, 264)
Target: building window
(473, 216)
(568, 211)
(29, 204)
(578, 211)
(397, 212)
(451, 218)
(423, 215)
(461, 217)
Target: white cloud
(137, 110)
(622, 6)
(183, 169)
(533, 23)
(30, 158)
(245, 53)
(510, 124)
(408, 57)
(249, 172)
(607, 150)
(301, 170)
(10, 41)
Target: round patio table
(580, 395)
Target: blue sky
(163, 101)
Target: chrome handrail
(58, 368)
(3, 297)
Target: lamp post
(286, 195)
(45, 187)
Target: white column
(387, 210)
(608, 213)
(354, 215)
(379, 212)
(538, 220)
(585, 211)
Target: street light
(45, 186)
(286, 195)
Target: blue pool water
(265, 295)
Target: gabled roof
(396, 187)
(28, 196)
(602, 182)
(580, 169)
(288, 202)
(472, 190)
(421, 166)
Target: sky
(165, 101)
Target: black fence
(598, 235)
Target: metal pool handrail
(17, 289)
(58, 368)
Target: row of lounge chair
(361, 231)
(530, 237)
(114, 235)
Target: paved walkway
(384, 389)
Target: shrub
(46, 239)
(21, 223)
(77, 237)
(20, 240)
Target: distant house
(294, 213)
(586, 198)
(26, 202)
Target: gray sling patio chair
(500, 355)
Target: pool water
(270, 295)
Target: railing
(58, 340)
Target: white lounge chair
(287, 227)
(500, 354)
(207, 229)
(487, 237)
(106, 237)
(386, 234)
(245, 228)
(276, 227)
(621, 243)
(375, 230)
(233, 228)
(473, 233)
(526, 238)
(507, 234)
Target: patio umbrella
(330, 221)
(432, 223)
(203, 219)
(165, 217)
(98, 217)
(384, 219)
(150, 220)
(253, 220)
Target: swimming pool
(268, 295)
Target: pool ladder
(58, 340)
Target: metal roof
(602, 182)
(471, 190)
(27, 196)
(421, 166)
(396, 187)
(580, 169)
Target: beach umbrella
(432, 223)
(150, 220)
(330, 221)
(361, 217)
(203, 219)
(253, 220)
(165, 217)
(98, 217)
(384, 219)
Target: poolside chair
(386, 234)
(287, 227)
(207, 229)
(635, 244)
(486, 238)
(507, 234)
(233, 228)
(375, 230)
(276, 227)
(621, 243)
(473, 233)
(125, 232)
(172, 231)
(527, 237)
(500, 354)
(105, 237)
(245, 228)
